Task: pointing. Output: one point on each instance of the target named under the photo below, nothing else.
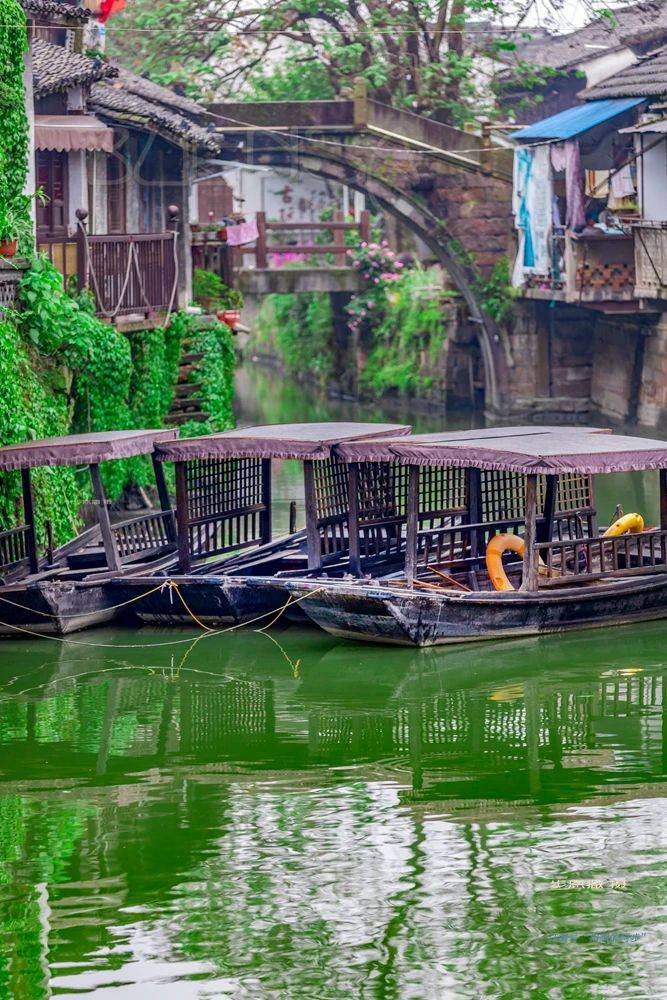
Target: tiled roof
(154, 92)
(635, 26)
(647, 78)
(51, 10)
(56, 69)
(120, 101)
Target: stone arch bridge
(451, 188)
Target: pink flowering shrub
(377, 264)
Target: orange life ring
(494, 558)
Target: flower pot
(8, 248)
(222, 234)
(231, 317)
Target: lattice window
(330, 478)
(442, 490)
(382, 491)
(220, 486)
(575, 492)
(504, 496)
(7, 293)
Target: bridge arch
(412, 211)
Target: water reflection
(230, 817)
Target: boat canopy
(302, 441)
(82, 449)
(539, 451)
(382, 451)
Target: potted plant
(17, 230)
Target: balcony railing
(588, 269)
(128, 274)
(651, 260)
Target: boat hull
(380, 614)
(212, 600)
(52, 607)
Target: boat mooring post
(29, 514)
(530, 573)
(110, 550)
(412, 524)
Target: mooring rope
(175, 642)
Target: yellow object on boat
(629, 522)
(494, 558)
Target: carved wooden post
(108, 540)
(412, 525)
(530, 575)
(29, 514)
(260, 251)
(81, 254)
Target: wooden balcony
(131, 274)
(595, 269)
(651, 260)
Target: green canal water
(282, 815)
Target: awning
(575, 121)
(654, 126)
(67, 133)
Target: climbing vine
(32, 406)
(14, 205)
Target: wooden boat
(223, 513)
(535, 489)
(66, 589)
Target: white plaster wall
(78, 186)
(605, 65)
(30, 181)
(653, 179)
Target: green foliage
(406, 335)
(210, 292)
(31, 408)
(496, 295)
(299, 328)
(14, 205)
(423, 55)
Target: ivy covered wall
(14, 204)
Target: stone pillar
(652, 399)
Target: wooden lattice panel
(575, 493)
(382, 491)
(330, 479)
(221, 486)
(503, 496)
(441, 491)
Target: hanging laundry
(565, 156)
(245, 232)
(597, 183)
(532, 205)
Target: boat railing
(582, 559)
(14, 547)
(216, 534)
(147, 535)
